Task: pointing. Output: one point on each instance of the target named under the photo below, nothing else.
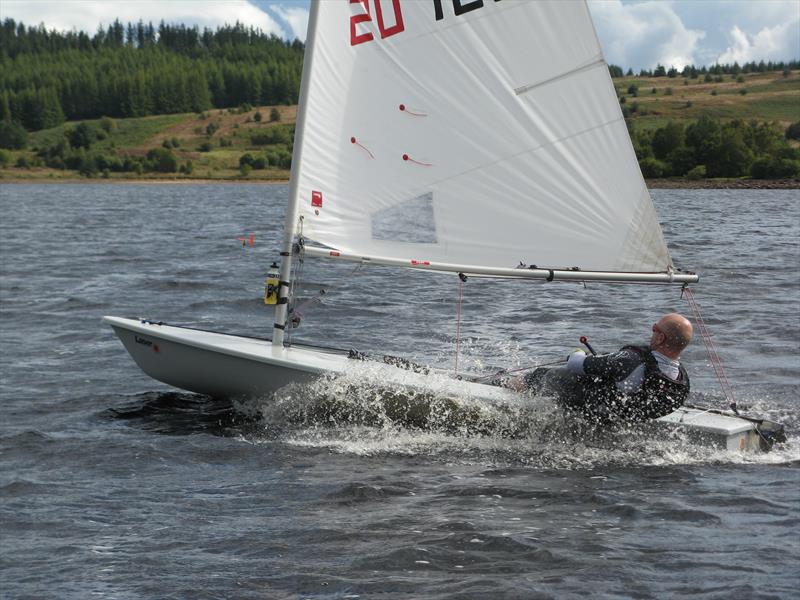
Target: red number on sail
(355, 20)
(398, 19)
(366, 17)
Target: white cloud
(770, 43)
(88, 15)
(644, 34)
(295, 17)
(731, 26)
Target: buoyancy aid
(600, 400)
(658, 395)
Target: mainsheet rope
(716, 362)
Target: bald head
(671, 335)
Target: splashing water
(358, 413)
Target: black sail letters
(460, 7)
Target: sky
(634, 33)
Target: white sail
(480, 132)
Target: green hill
(761, 96)
(207, 145)
(255, 143)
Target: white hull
(230, 366)
(219, 365)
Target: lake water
(113, 485)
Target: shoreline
(723, 184)
(100, 181)
(672, 183)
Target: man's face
(658, 336)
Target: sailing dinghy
(478, 137)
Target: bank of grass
(753, 96)
(212, 142)
(127, 133)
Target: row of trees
(47, 77)
(90, 164)
(712, 148)
(16, 38)
(693, 72)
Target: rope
(716, 362)
(296, 312)
(297, 269)
(298, 273)
(299, 309)
(528, 368)
(461, 279)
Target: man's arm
(614, 366)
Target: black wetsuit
(597, 395)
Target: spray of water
(361, 412)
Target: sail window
(411, 221)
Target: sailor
(637, 383)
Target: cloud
(295, 17)
(770, 43)
(732, 26)
(644, 34)
(88, 15)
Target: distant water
(113, 485)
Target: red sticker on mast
(316, 199)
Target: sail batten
(503, 119)
(526, 88)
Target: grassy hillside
(759, 96)
(214, 142)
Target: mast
(292, 211)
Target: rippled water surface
(113, 485)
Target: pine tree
(5, 107)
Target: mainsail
(468, 132)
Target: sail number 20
(359, 36)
